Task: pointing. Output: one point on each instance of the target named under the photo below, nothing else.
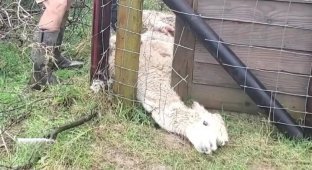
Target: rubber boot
(42, 57)
(62, 62)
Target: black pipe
(236, 69)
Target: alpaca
(206, 131)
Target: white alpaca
(206, 131)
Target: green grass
(122, 137)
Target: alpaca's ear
(195, 105)
(198, 107)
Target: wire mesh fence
(157, 60)
(18, 22)
(260, 32)
(271, 39)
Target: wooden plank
(263, 35)
(294, 1)
(266, 12)
(215, 75)
(229, 99)
(127, 49)
(183, 57)
(266, 59)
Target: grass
(122, 137)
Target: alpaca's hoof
(207, 135)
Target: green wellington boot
(42, 55)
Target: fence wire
(18, 20)
(270, 42)
(256, 23)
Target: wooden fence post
(128, 43)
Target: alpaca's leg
(169, 120)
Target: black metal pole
(236, 69)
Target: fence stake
(128, 42)
(100, 39)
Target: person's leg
(45, 40)
(60, 60)
(53, 16)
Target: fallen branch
(55, 132)
(51, 137)
(4, 143)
